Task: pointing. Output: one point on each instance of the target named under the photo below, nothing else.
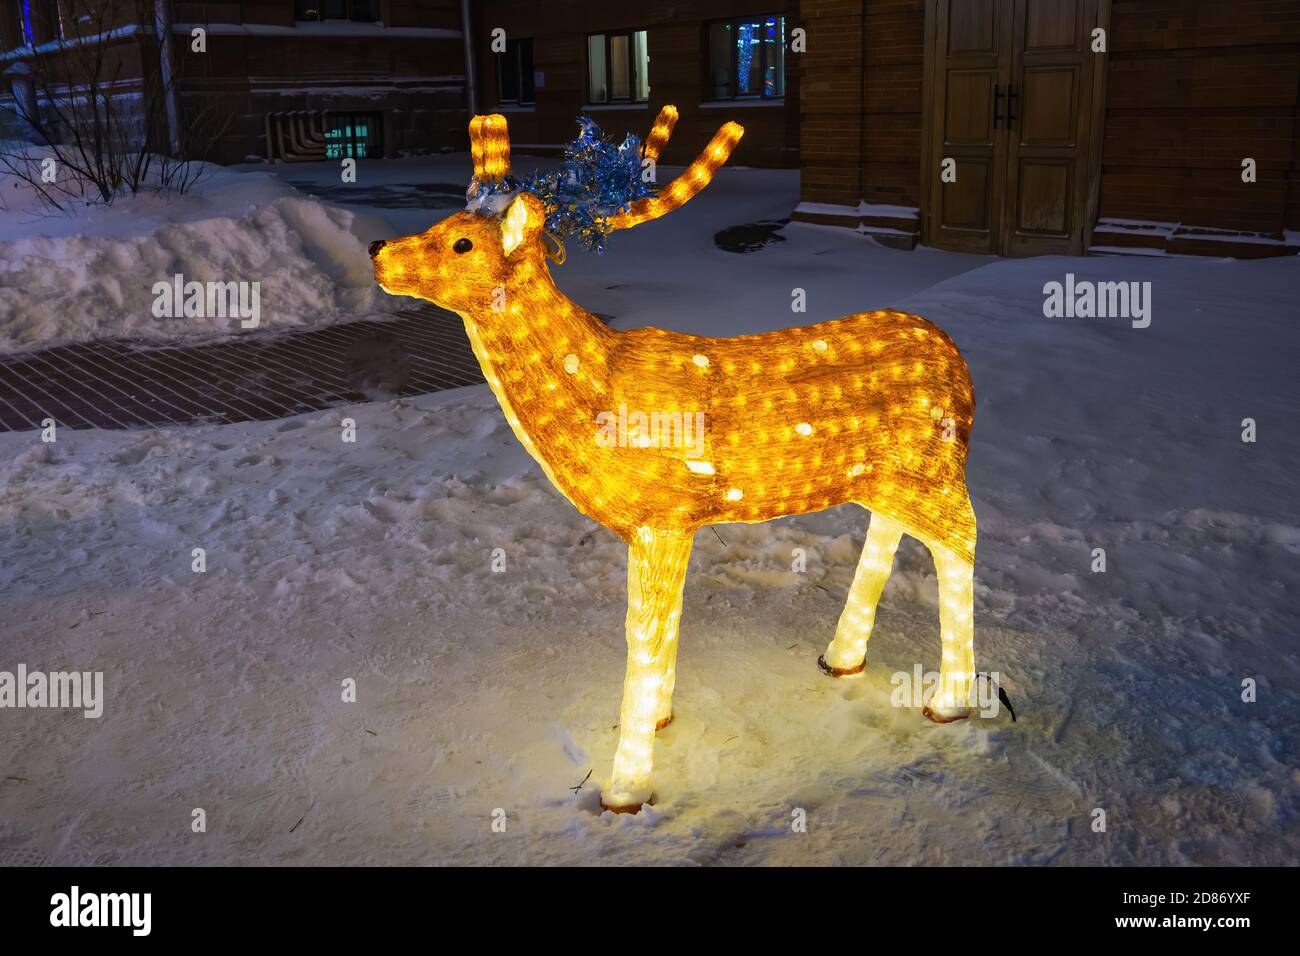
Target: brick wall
(860, 101)
(830, 101)
(675, 38)
(417, 83)
(891, 136)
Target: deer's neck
(546, 359)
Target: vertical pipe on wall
(471, 97)
(162, 15)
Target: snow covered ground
(480, 691)
(91, 274)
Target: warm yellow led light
(489, 141)
(656, 434)
(687, 185)
(512, 230)
(659, 133)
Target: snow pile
(92, 276)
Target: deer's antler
(489, 146)
(659, 133)
(685, 186)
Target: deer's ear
(522, 221)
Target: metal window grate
(358, 135)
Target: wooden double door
(1013, 112)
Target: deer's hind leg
(847, 653)
(955, 568)
(951, 700)
(656, 572)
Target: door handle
(997, 104)
(1011, 101)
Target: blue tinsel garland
(597, 180)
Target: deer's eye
(462, 246)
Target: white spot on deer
(820, 345)
(700, 467)
(701, 360)
(734, 494)
(804, 429)
(571, 364)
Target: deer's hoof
(620, 804)
(629, 808)
(839, 671)
(663, 722)
(945, 716)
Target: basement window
(357, 135)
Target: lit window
(747, 58)
(24, 22)
(618, 67)
(38, 21)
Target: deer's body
(874, 409)
(879, 391)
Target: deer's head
(459, 262)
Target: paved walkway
(258, 376)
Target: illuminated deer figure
(874, 408)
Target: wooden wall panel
(1194, 87)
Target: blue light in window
(745, 39)
(27, 24)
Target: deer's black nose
(375, 247)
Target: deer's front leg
(656, 571)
